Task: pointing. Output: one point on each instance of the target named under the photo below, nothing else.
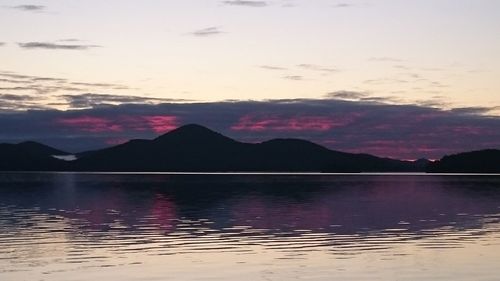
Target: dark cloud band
(14, 83)
(246, 3)
(29, 8)
(205, 32)
(55, 46)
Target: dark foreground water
(249, 227)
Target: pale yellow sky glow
(443, 53)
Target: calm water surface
(249, 227)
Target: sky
(402, 79)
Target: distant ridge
(192, 132)
(38, 148)
(29, 156)
(194, 148)
(482, 161)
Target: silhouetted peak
(192, 128)
(192, 132)
(476, 153)
(30, 143)
(37, 147)
(292, 142)
(481, 161)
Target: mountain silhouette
(482, 161)
(29, 156)
(195, 148)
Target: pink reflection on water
(164, 213)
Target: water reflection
(51, 222)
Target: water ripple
(355, 228)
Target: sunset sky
(404, 79)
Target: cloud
(55, 46)
(11, 81)
(11, 97)
(17, 88)
(474, 110)
(272, 67)
(343, 5)
(156, 123)
(12, 102)
(294, 77)
(301, 67)
(256, 123)
(316, 67)
(40, 89)
(246, 3)
(63, 93)
(2, 44)
(384, 59)
(90, 100)
(206, 32)
(69, 40)
(348, 95)
(367, 97)
(101, 85)
(48, 79)
(41, 85)
(29, 8)
(381, 81)
(14, 75)
(90, 124)
(376, 127)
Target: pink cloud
(296, 123)
(91, 124)
(429, 116)
(134, 123)
(156, 123)
(162, 123)
(467, 130)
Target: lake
(66, 226)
